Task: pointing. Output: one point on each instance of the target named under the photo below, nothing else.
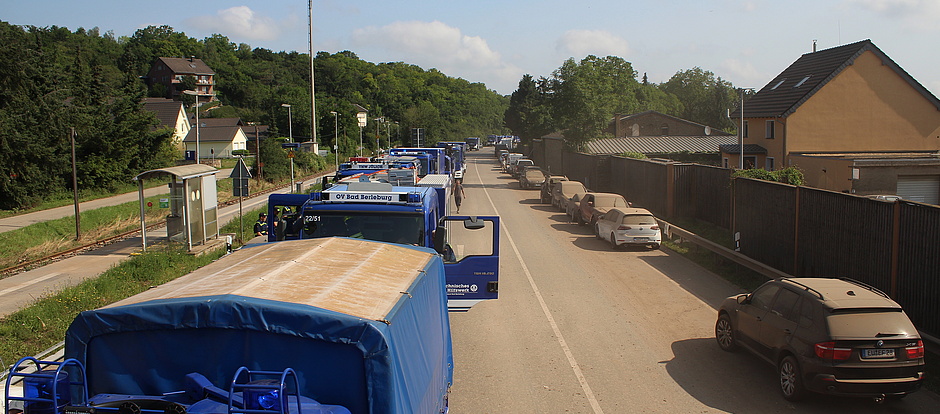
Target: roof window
(800, 83)
(779, 83)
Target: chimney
(814, 45)
(191, 58)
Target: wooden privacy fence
(801, 231)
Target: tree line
(53, 79)
(580, 98)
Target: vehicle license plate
(641, 239)
(878, 353)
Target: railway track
(42, 261)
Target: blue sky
(496, 42)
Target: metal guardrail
(669, 230)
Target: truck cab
(411, 215)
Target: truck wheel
(578, 218)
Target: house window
(779, 83)
(664, 130)
(745, 129)
(769, 130)
(800, 83)
(769, 164)
(724, 162)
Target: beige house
(171, 114)
(851, 119)
(216, 141)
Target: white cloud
(922, 14)
(742, 74)
(241, 22)
(580, 43)
(437, 45)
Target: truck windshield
(394, 228)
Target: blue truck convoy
(325, 326)
(368, 206)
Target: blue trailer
(432, 160)
(339, 325)
(413, 215)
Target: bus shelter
(193, 204)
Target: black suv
(831, 336)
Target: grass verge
(41, 325)
(49, 237)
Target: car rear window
(869, 323)
(609, 202)
(638, 220)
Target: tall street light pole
(196, 106)
(290, 138)
(335, 137)
(741, 130)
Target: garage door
(922, 188)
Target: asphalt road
(579, 328)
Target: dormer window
(779, 83)
(800, 83)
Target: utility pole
(78, 216)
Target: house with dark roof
(658, 135)
(851, 119)
(216, 139)
(170, 73)
(170, 114)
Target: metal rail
(670, 231)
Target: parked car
(830, 336)
(593, 205)
(531, 177)
(508, 159)
(545, 195)
(515, 170)
(629, 227)
(885, 197)
(563, 191)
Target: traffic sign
(240, 176)
(240, 170)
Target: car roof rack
(866, 286)
(806, 288)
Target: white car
(629, 227)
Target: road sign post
(240, 177)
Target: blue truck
(371, 208)
(456, 151)
(325, 326)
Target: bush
(789, 175)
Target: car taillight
(654, 227)
(915, 352)
(624, 228)
(829, 352)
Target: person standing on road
(458, 193)
(261, 226)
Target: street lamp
(362, 116)
(335, 137)
(196, 106)
(741, 130)
(290, 137)
(377, 121)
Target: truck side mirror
(473, 223)
(440, 238)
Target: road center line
(548, 314)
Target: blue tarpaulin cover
(364, 324)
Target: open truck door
(470, 247)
